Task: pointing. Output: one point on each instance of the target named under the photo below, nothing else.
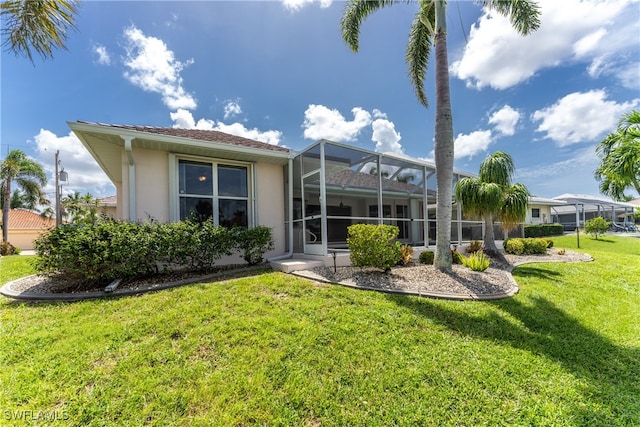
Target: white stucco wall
(545, 215)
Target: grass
(277, 350)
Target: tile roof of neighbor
(196, 134)
(27, 220)
(108, 200)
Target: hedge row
(543, 230)
(101, 252)
(527, 246)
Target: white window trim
(174, 198)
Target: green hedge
(526, 246)
(99, 253)
(542, 230)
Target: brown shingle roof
(108, 200)
(197, 134)
(24, 219)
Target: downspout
(132, 178)
(289, 253)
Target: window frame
(533, 213)
(174, 186)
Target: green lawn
(277, 350)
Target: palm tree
(430, 24)
(491, 196)
(28, 176)
(619, 156)
(41, 25)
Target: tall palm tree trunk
(443, 144)
(5, 211)
(489, 242)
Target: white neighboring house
(540, 210)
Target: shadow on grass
(532, 271)
(611, 372)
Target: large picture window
(215, 192)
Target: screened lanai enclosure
(335, 186)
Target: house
(540, 210)
(26, 226)
(108, 206)
(307, 198)
(579, 208)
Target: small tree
(596, 226)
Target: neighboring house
(307, 198)
(109, 206)
(582, 207)
(540, 210)
(26, 226)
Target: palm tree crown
(27, 174)
(620, 158)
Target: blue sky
(279, 72)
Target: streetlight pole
(58, 219)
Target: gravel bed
(418, 279)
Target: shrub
(549, 243)
(541, 230)
(474, 246)
(426, 257)
(477, 261)
(456, 257)
(597, 225)
(373, 246)
(561, 251)
(406, 255)
(527, 246)
(254, 243)
(514, 246)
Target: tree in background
(27, 174)
(619, 155)
(80, 209)
(429, 26)
(38, 26)
(492, 197)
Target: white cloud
(573, 174)
(154, 68)
(232, 108)
(386, 137)
(573, 30)
(184, 119)
(377, 114)
(322, 123)
(580, 117)
(296, 5)
(505, 120)
(472, 144)
(103, 55)
(84, 174)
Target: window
(535, 212)
(212, 191)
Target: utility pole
(58, 218)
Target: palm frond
(355, 12)
(41, 25)
(524, 15)
(419, 49)
(514, 206)
(497, 168)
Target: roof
(108, 201)
(586, 199)
(106, 143)
(196, 134)
(22, 219)
(545, 202)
